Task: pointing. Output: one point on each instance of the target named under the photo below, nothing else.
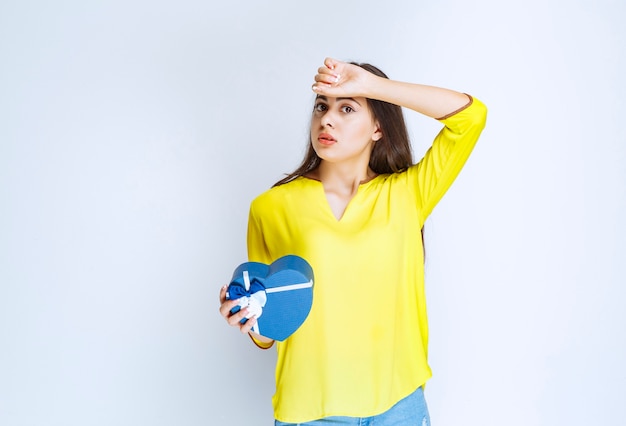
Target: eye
(320, 107)
(347, 109)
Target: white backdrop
(133, 135)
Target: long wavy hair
(391, 153)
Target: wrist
(261, 341)
(374, 86)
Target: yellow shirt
(364, 344)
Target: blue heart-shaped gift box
(281, 294)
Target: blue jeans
(410, 411)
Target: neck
(343, 177)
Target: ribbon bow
(251, 295)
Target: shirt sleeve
(257, 248)
(443, 161)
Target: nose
(328, 119)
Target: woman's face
(343, 129)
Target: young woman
(354, 210)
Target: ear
(378, 134)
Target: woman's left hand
(337, 79)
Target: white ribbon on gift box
(256, 301)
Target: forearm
(338, 79)
(435, 102)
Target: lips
(326, 139)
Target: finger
(331, 63)
(245, 328)
(223, 294)
(226, 307)
(320, 88)
(325, 82)
(326, 71)
(328, 79)
(327, 89)
(235, 319)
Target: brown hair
(391, 153)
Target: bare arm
(339, 79)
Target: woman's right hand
(234, 319)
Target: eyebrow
(324, 98)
